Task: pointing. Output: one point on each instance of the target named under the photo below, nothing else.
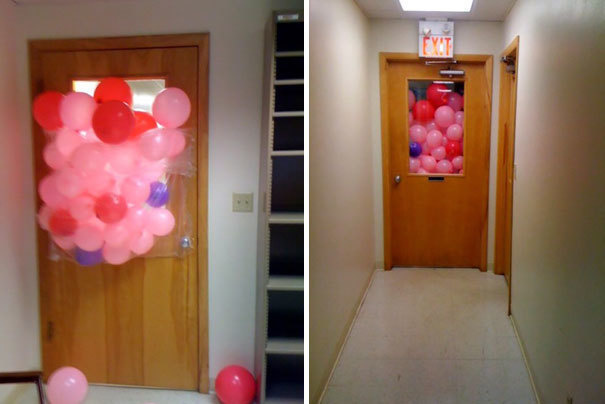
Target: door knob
(397, 179)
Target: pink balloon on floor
(459, 118)
(417, 134)
(142, 243)
(414, 165)
(444, 167)
(438, 153)
(76, 111)
(116, 255)
(89, 237)
(171, 107)
(67, 385)
(444, 116)
(458, 162)
(82, 207)
(454, 132)
(160, 222)
(428, 163)
(434, 139)
(235, 385)
(422, 171)
(426, 150)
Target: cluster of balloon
(66, 385)
(235, 385)
(105, 197)
(436, 131)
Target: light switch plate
(242, 202)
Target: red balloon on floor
(235, 385)
(113, 121)
(113, 89)
(423, 111)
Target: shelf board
(282, 282)
(288, 82)
(288, 114)
(288, 153)
(289, 54)
(282, 346)
(287, 218)
(284, 401)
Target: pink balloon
(142, 243)
(89, 157)
(434, 139)
(69, 183)
(82, 207)
(414, 165)
(117, 234)
(43, 216)
(417, 134)
(438, 153)
(177, 143)
(422, 171)
(443, 141)
(458, 162)
(47, 189)
(454, 101)
(160, 221)
(76, 111)
(99, 182)
(136, 218)
(89, 237)
(444, 116)
(67, 385)
(431, 126)
(171, 107)
(53, 157)
(426, 150)
(459, 118)
(135, 190)
(151, 170)
(444, 167)
(123, 158)
(65, 242)
(454, 132)
(411, 99)
(428, 163)
(116, 255)
(461, 171)
(155, 144)
(411, 120)
(68, 140)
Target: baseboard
(525, 360)
(344, 342)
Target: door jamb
(384, 59)
(505, 179)
(202, 42)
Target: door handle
(397, 179)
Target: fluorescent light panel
(457, 6)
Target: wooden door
(435, 220)
(143, 323)
(506, 159)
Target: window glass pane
(143, 91)
(435, 127)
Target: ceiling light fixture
(456, 6)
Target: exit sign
(436, 39)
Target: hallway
(432, 336)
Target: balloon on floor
(235, 385)
(67, 385)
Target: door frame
(384, 59)
(200, 41)
(506, 159)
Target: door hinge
(50, 330)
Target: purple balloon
(159, 194)
(89, 258)
(415, 149)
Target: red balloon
(110, 208)
(423, 111)
(143, 122)
(437, 94)
(62, 223)
(235, 385)
(113, 122)
(46, 110)
(452, 149)
(113, 89)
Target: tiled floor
(432, 336)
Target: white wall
(340, 173)
(236, 61)
(558, 251)
(471, 37)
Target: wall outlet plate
(243, 202)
